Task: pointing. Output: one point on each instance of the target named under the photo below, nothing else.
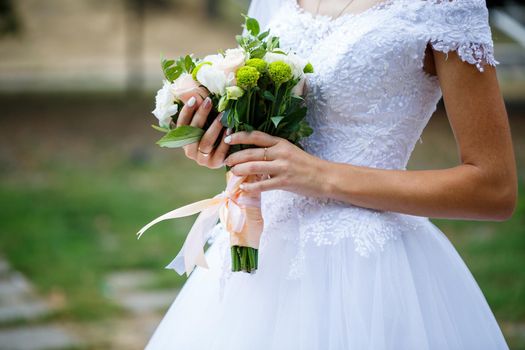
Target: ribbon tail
(235, 217)
(192, 252)
(186, 210)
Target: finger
(198, 120)
(200, 116)
(222, 150)
(187, 111)
(199, 93)
(255, 137)
(250, 154)
(207, 141)
(190, 152)
(260, 186)
(257, 167)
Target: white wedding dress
(333, 276)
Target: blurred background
(80, 172)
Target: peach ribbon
(225, 206)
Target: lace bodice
(369, 100)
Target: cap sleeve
(462, 26)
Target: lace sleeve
(462, 26)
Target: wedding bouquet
(256, 86)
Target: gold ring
(265, 149)
(203, 153)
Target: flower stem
(244, 259)
(248, 117)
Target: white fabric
(332, 275)
(263, 10)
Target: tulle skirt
(417, 293)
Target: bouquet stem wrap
(238, 211)
(245, 242)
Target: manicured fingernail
(191, 101)
(219, 116)
(228, 131)
(207, 102)
(228, 139)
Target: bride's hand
(195, 112)
(290, 168)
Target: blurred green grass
(76, 187)
(81, 174)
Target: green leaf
(227, 118)
(248, 127)
(181, 136)
(273, 43)
(188, 63)
(160, 128)
(276, 120)
(239, 39)
(252, 25)
(268, 95)
(304, 129)
(241, 106)
(167, 63)
(258, 53)
(263, 35)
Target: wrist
(325, 174)
(336, 180)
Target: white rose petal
(233, 60)
(213, 58)
(213, 79)
(165, 106)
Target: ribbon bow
(225, 206)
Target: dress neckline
(382, 4)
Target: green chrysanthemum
(279, 72)
(247, 77)
(257, 63)
(196, 69)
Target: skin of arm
(482, 187)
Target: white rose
(184, 85)
(165, 106)
(233, 60)
(215, 80)
(213, 58)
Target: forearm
(461, 192)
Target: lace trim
(473, 53)
(304, 221)
(462, 26)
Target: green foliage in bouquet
(261, 99)
(256, 86)
(172, 69)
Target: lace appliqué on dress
(368, 102)
(462, 26)
(309, 221)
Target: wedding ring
(203, 153)
(265, 149)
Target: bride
(349, 258)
